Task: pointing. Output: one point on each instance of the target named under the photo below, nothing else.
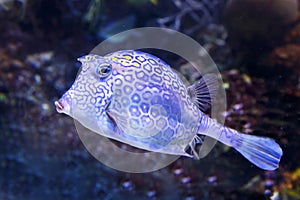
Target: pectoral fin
(120, 120)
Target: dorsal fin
(204, 91)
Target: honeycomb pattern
(152, 103)
(142, 102)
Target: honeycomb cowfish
(136, 98)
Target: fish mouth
(59, 106)
(63, 106)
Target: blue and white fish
(136, 98)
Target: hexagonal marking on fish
(135, 98)
(155, 88)
(116, 106)
(147, 121)
(125, 63)
(144, 107)
(127, 56)
(164, 66)
(154, 111)
(115, 72)
(168, 134)
(161, 123)
(147, 67)
(114, 58)
(152, 61)
(139, 86)
(173, 75)
(180, 130)
(142, 76)
(166, 86)
(134, 111)
(172, 121)
(175, 85)
(156, 78)
(128, 89)
(134, 123)
(166, 77)
(156, 100)
(118, 82)
(128, 78)
(166, 96)
(195, 110)
(158, 70)
(118, 92)
(183, 92)
(164, 111)
(125, 101)
(140, 58)
(189, 101)
(147, 95)
(136, 64)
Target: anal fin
(192, 147)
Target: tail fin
(262, 151)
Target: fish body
(136, 98)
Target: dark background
(256, 46)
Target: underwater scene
(59, 88)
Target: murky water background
(256, 45)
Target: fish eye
(103, 70)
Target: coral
(290, 186)
(287, 56)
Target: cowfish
(138, 99)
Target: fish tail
(261, 151)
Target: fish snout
(62, 106)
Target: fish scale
(136, 98)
